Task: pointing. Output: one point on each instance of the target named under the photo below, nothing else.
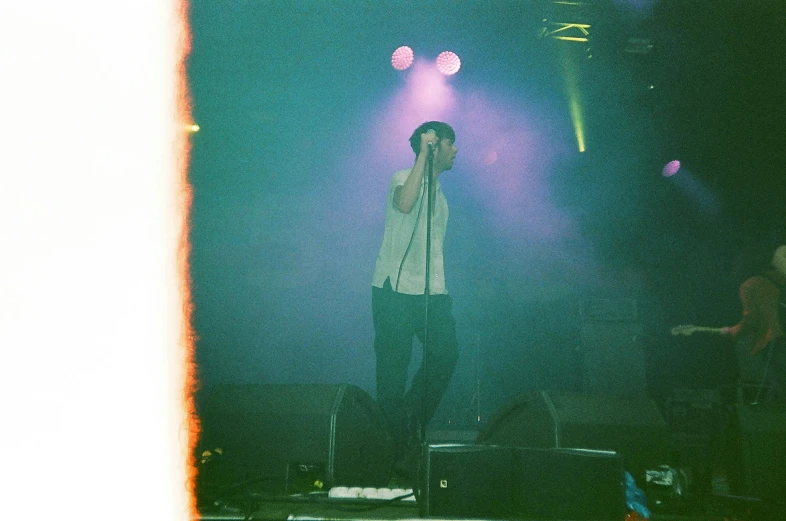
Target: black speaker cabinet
(632, 427)
(758, 441)
(489, 481)
(467, 481)
(613, 359)
(280, 437)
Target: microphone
(431, 143)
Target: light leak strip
(95, 309)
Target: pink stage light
(402, 58)
(671, 168)
(448, 63)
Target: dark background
(290, 167)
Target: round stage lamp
(402, 58)
(671, 168)
(448, 63)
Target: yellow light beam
(570, 77)
(582, 28)
(578, 124)
(570, 38)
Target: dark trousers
(774, 382)
(398, 318)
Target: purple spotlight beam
(402, 58)
(448, 63)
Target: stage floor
(714, 505)
(323, 508)
(343, 510)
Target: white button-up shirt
(410, 278)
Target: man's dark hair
(443, 131)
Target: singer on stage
(398, 293)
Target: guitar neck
(689, 330)
(703, 329)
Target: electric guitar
(689, 330)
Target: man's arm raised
(405, 195)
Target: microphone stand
(427, 291)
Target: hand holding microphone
(430, 139)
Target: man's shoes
(406, 469)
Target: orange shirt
(760, 297)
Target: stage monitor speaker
(632, 427)
(489, 481)
(759, 441)
(285, 437)
(466, 481)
